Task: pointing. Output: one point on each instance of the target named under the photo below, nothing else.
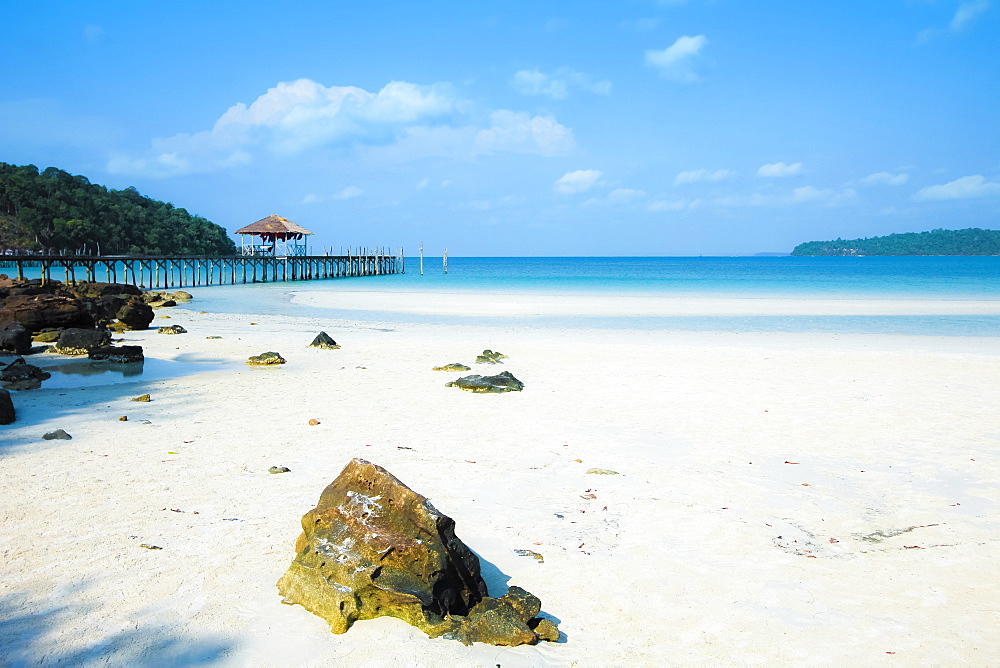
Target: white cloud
(304, 115)
(802, 195)
(779, 169)
(577, 181)
(350, 192)
(668, 205)
(967, 12)
(885, 179)
(696, 175)
(617, 197)
(674, 62)
(518, 132)
(557, 85)
(967, 187)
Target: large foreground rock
(6, 408)
(502, 382)
(39, 311)
(372, 547)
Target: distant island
(55, 212)
(972, 241)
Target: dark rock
(165, 304)
(7, 413)
(490, 357)
(323, 340)
(117, 354)
(502, 382)
(453, 367)
(266, 359)
(75, 341)
(373, 547)
(19, 375)
(279, 469)
(135, 315)
(15, 337)
(41, 311)
(172, 329)
(58, 434)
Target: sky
(635, 127)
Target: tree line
(53, 211)
(971, 241)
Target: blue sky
(638, 127)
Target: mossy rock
(453, 367)
(266, 359)
(490, 357)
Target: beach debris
(19, 375)
(76, 341)
(172, 329)
(123, 418)
(150, 547)
(502, 382)
(324, 341)
(117, 354)
(490, 357)
(279, 469)
(57, 435)
(7, 412)
(454, 367)
(213, 337)
(373, 547)
(313, 422)
(15, 338)
(266, 359)
(588, 496)
(602, 471)
(166, 317)
(145, 398)
(530, 553)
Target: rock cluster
(55, 305)
(373, 547)
(502, 382)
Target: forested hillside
(55, 212)
(972, 241)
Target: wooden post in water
(421, 258)
(444, 259)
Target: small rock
(142, 397)
(490, 357)
(603, 471)
(49, 336)
(279, 469)
(530, 553)
(75, 341)
(123, 418)
(150, 547)
(313, 422)
(213, 337)
(15, 337)
(266, 359)
(454, 367)
(172, 329)
(58, 434)
(324, 341)
(502, 382)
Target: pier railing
(195, 271)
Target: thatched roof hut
(274, 227)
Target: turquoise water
(868, 278)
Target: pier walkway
(195, 271)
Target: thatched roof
(273, 225)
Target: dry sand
(782, 499)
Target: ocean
(918, 283)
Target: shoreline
(701, 556)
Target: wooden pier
(197, 271)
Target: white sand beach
(782, 499)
